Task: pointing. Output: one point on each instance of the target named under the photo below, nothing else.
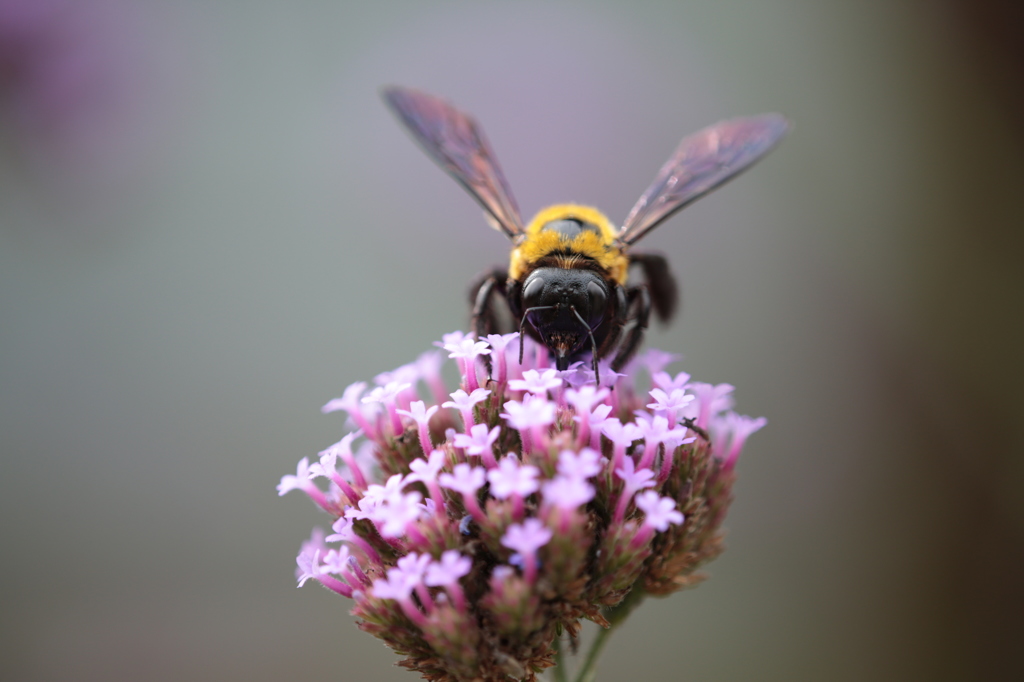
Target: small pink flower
(526, 538)
(465, 352)
(659, 512)
(466, 479)
(729, 433)
(536, 382)
(421, 415)
(583, 465)
(510, 479)
(567, 492)
(464, 403)
(479, 442)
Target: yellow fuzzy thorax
(537, 244)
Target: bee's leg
(482, 296)
(640, 300)
(615, 323)
(661, 284)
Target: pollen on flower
(471, 526)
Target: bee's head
(565, 306)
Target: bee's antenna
(522, 324)
(593, 344)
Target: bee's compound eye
(533, 290)
(598, 300)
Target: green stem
(559, 673)
(589, 669)
(615, 616)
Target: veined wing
(700, 163)
(455, 142)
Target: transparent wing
(455, 142)
(702, 162)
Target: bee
(566, 284)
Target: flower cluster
(472, 532)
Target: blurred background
(210, 225)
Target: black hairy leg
(611, 331)
(661, 284)
(487, 318)
(639, 304)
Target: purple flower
(421, 415)
(526, 538)
(729, 432)
(536, 382)
(451, 339)
(429, 366)
(479, 442)
(467, 349)
(583, 465)
(500, 342)
(414, 565)
(337, 560)
(396, 513)
(532, 411)
(670, 403)
(499, 354)
(406, 374)
(710, 400)
(388, 507)
(655, 432)
(313, 547)
(584, 398)
(465, 352)
(633, 479)
(309, 567)
(387, 395)
(344, 532)
(659, 512)
(350, 402)
(426, 471)
(581, 374)
(466, 480)
(449, 569)
(464, 402)
(327, 468)
(622, 436)
(342, 449)
(515, 480)
(567, 492)
(530, 417)
(398, 586)
(391, 488)
(297, 482)
(668, 383)
(302, 480)
(594, 422)
(655, 360)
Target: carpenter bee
(566, 284)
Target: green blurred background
(210, 225)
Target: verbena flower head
(534, 499)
